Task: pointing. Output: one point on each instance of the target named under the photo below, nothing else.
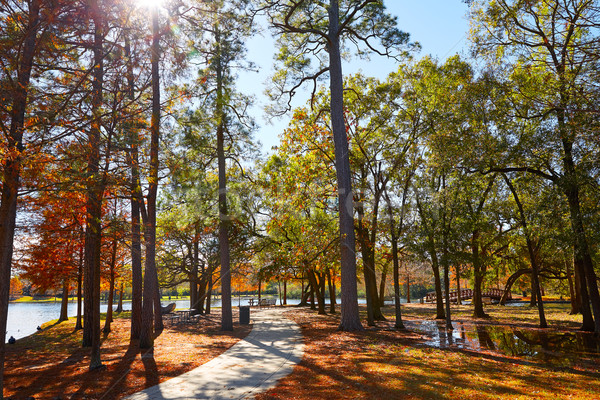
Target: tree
(22, 26)
(550, 50)
(299, 194)
(16, 288)
(318, 30)
(535, 275)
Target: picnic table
(184, 315)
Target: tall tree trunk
(259, 290)
(458, 294)
(95, 191)
(331, 283)
(382, 285)
(435, 266)
(150, 276)
(194, 294)
(439, 296)
(158, 322)
(200, 297)
(446, 266)
(586, 312)
(226, 312)
(64, 301)
(12, 170)
(136, 199)
(367, 267)
(396, 272)
(407, 287)
(571, 188)
(446, 222)
(285, 292)
(210, 289)
(572, 292)
(312, 277)
(305, 293)
(349, 320)
(78, 323)
(478, 274)
(111, 287)
(395, 260)
(120, 305)
(532, 255)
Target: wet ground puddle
(550, 347)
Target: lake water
(24, 318)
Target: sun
(150, 3)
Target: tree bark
(446, 221)
(571, 188)
(396, 262)
(64, 301)
(158, 322)
(478, 273)
(439, 296)
(435, 266)
(572, 292)
(312, 277)
(331, 283)
(95, 193)
(407, 287)
(349, 320)
(120, 305)
(535, 270)
(194, 293)
(458, 297)
(210, 288)
(12, 171)
(111, 287)
(382, 283)
(367, 267)
(446, 266)
(136, 198)
(511, 281)
(78, 323)
(150, 276)
(226, 312)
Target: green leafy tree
(549, 52)
(313, 35)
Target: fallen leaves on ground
(383, 363)
(52, 364)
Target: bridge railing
(466, 294)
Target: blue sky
(440, 26)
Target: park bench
(267, 302)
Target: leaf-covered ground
(382, 363)
(377, 363)
(52, 365)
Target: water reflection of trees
(562, 348)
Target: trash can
(244, 315)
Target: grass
(383, 363)
(557, 315)
(30, 299)
(51, 364)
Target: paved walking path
(251, 366)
